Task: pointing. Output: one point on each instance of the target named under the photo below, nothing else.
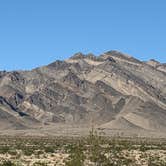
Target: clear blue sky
(37, 32)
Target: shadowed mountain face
(112, 91)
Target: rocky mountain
(113, 91)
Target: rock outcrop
(112, 91)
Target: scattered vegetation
(94, 150)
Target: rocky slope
(111, 91)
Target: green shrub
(12, 152)
(76, 155)
(39, 163)
(7, 163)
(49, 149)
(4, 149)
(28, 151)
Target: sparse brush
(76, 155)
(94, 149)
(39, 163)
(7, 163)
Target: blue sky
(37, 32)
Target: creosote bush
(93, 150)
(76, 155)
(7, 163)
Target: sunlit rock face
(112, 91)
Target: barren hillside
(113, 92)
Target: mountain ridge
(113, 91)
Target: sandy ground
(58, 159)
(77, 131)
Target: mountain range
(114, 92)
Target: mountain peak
(114, 91)
(78, 55)
(153, 62)
(116, 53)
